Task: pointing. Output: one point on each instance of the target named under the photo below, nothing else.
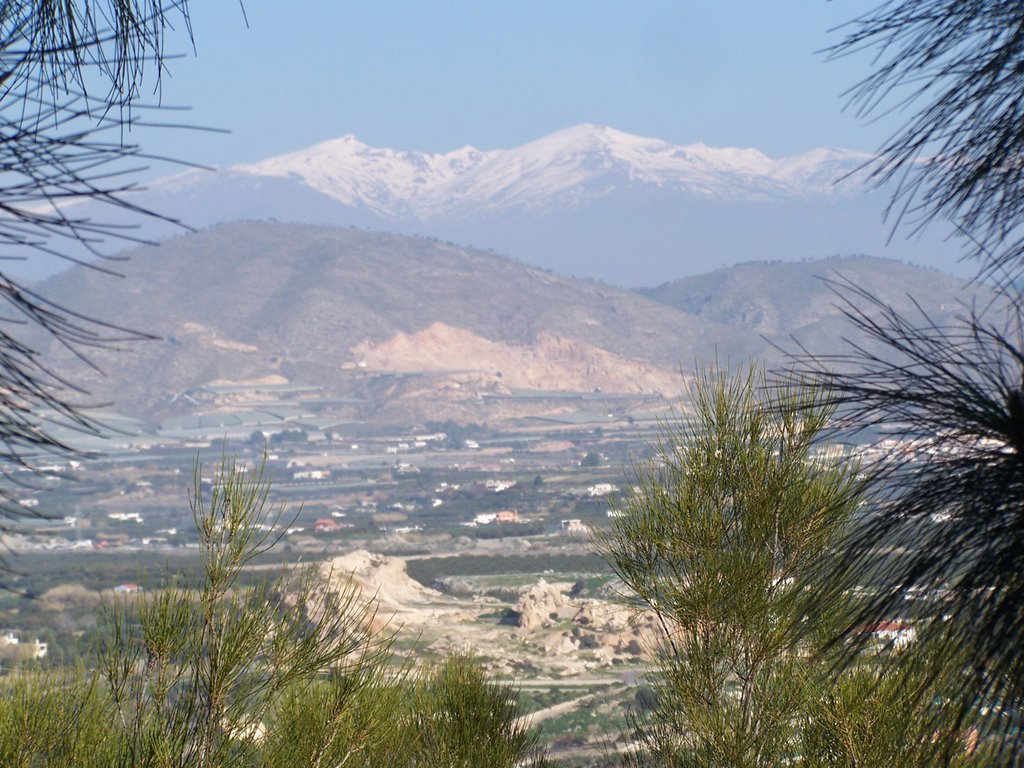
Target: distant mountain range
(588, 200)
(569, 168)
(416, 329)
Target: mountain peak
(585, 132)
(588, 137)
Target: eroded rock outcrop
(538, 603)
(378, 577)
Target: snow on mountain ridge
(825, 167)
(354, 173)
(577, 163)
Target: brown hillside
(246, 301)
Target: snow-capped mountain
(588, 200)
(571, 166)
(386, 181)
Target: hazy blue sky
(434, 76)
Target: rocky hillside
(331, 307)
(386, 317)
(804, 300)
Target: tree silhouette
(957, 67)
(945, 540)
(948, 534)
(73, 74)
